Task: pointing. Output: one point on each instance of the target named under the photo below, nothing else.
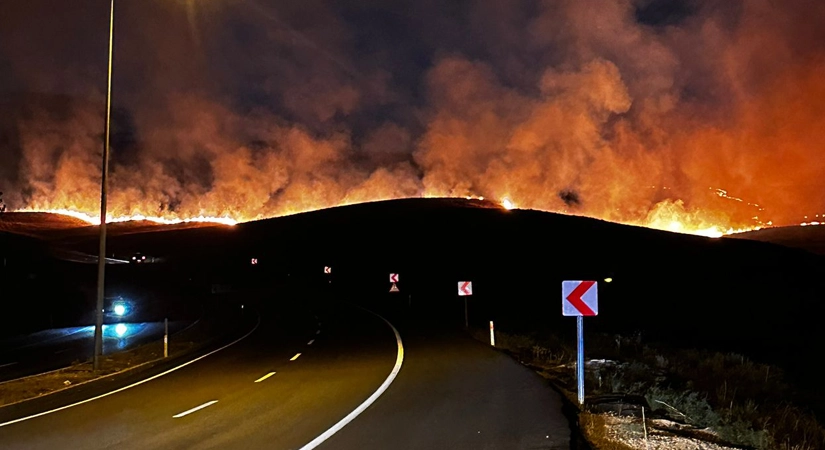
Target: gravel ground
(629, 431)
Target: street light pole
(101, 260)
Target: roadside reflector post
(165, 337)
(492, 334)
(579, 299)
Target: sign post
(465, 289)
(580, 299)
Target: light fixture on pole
(101, 260)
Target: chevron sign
(579, 298)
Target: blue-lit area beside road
(61, 347)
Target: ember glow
(507, 204)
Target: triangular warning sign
(394, 288)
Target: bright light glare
(120, 329)
(507, 204)
(120, 309)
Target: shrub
(689, 407)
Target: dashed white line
(295, 357)
(145, 380)
(318, 332)
(8, 364)
(197, 408)
(265, 377)
(310, 342)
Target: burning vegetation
(697, 118)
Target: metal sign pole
(466, 318)
(580, 358)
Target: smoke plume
(706, 112)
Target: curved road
(303, 369)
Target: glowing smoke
(587, 107)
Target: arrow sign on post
(580, 299)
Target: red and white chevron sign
(465, 288)
(579, 298)
(393, 278)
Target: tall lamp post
(101, 260)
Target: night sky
(622, 110)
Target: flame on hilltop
(667, 215)
(95, 219)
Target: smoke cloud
(640, 111)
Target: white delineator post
(165, 338)
(492, 334)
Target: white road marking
(399, 359)
(265, 377)
(295, 357)
(8, 364)
(318, 332)
(197, 408)
(310, 342)
(133, 384)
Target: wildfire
(95, 220)
(507, 204)
(673, 216)
(668, 215)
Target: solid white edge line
(197, 408)
(133, 384)
(399, 359)
(265, 377)
(8, 364)
(295, 357)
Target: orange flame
(667, 215)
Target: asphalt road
(57, 348)
(303, 369)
